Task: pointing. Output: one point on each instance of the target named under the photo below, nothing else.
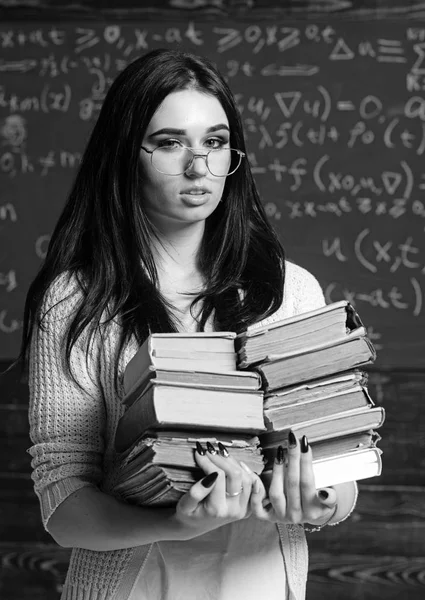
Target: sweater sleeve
(67, 417)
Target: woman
(163, 231)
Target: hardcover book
(307, 330)
(161, 466)
(354, 350)
(227, 380)
(334, 446)
(351, 466)
(199, 352)
(331, 426)
(165, 406)
(317, 399)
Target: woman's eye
(169, 144)
(216, 142)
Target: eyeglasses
(176, 160)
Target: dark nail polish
(223, 450)
(211, 448)
(292, 439)
(304, 444)
(323, 494)
(209, 479)
(200, 449)
(279, 455)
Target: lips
(196, 191)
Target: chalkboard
(334, 114)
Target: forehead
(188, 108)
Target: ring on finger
(234, 494)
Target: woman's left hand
(292, 496)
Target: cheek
(220, 188)
(154, 186)
(160, 196)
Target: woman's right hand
(221, 497)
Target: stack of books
(181, 389)
(311, 368)
(248, 391)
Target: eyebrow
(173, 131)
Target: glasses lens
(171, 161)
(223, 161)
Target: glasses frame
(194, 155)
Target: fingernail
(257, 486)
(223, 450)
(279, 455)
(323, 494)
(208, 481)
(200, 449)
(304, 444)
(292, 439)
(211, 448)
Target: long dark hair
(103, 236)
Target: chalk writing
(8, 280)
(395, 208)
(13, 164)
(373, 254)
(50, 99)
(9, 324)
(41, 246)
(391, 299)
(8, 212)
(334, 118)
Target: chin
(197, 213)
(181, 218)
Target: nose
(198, 167)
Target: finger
(327, 497)
(221, 458)
(197, 493)
(292, 481)
(257, 500)
(258, 495)
(248, 480)
(277, 485)
(255, 484)
(217, 496)
(307, 482)
(202, 458)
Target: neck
(178, 249)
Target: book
(316, 389)
(331, 426)
(315, 400)
(229, 380)
(354, 350)
(351, 466)
(320, 326)
(345, 444)
(169, 407)
(334, 446)
(177, 447)
(212, 352)
(161, 466)
(157, 485)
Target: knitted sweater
(72, 429)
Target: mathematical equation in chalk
(334, 120)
